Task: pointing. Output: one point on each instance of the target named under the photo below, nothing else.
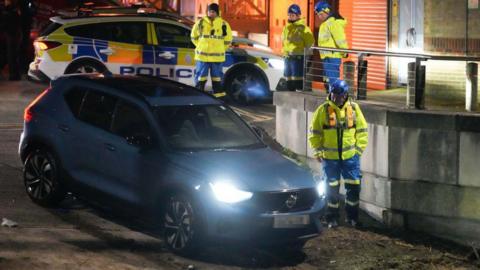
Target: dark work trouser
(350, 171)
(293, 72)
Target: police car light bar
(145, 10)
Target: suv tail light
(46, 45)
(28, 114)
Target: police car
(148, 44)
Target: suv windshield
(204, 127)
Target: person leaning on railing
(296, 36)
(332, 35)
(338, 135)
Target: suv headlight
(228, 193)
(277, 63)
(322, 188)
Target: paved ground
(76, 236)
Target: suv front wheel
(182, 224)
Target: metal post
(471, 85)
(419, 85)
(362, 78)
(349, 77)
(307, 86)
(411, 85)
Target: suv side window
(170, 35)
(126, 32)
(74, 99)
(129, 122)
(97, 109)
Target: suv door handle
(166, 55)
(64, 128)
(107, 51)
(110, 147)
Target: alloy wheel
(178, 223)
(39, 176)
(86, 69)
(240, 87)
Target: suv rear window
(97, 109)
(50, 29)
(126, 32)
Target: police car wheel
(244, 86)
(85, 67)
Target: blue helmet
(322, 6)
(338, 87)
(295, 9)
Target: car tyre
(240, 84)
(41, 175)
(182, 224)
(85, 67)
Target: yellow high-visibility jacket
(334, 131)
(211, 39)
(332, 35)
(296, 36)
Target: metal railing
(411, 80)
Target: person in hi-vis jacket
(211, 36)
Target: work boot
(354, 223)
(332, 224)
(201, 85)
(218, 91)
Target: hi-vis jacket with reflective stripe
(338, 133)
(332, 35)
(296, 36)
(211, 39)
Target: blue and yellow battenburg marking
(133, 56)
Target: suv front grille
(283, 202)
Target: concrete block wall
(419, 169)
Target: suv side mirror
(139, 139)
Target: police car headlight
(277, 63)
(228, 193)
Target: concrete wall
(419, 169)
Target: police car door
(128, 51)
(174, 52)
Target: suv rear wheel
(41, 174)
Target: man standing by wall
(331, 35)
(339, 135)
(212, 37)
(296, 36)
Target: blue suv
(166, 151)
